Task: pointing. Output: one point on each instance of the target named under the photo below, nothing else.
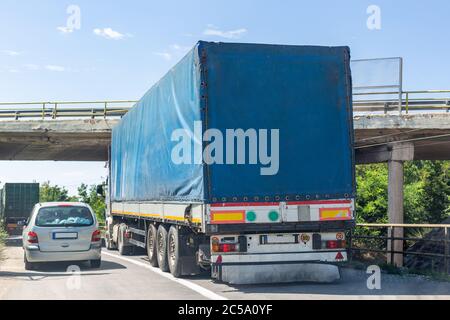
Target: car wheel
(174, 252)
(162, 248)
(152, 251)
(28, 265)
(96, 263)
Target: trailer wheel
(162, 248)
(173, 251)
(152, 251)
(123, 250)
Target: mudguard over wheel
(152, 245)
(162, 248)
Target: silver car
(61, 231)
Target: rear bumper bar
(39, 256)
(307, 226)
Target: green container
(17, 200)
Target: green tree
(426, 192)
(49, 193)
(97, 202)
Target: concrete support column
(395, 209)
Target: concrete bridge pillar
(399, 153)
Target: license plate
(65, 235)
(278, 239)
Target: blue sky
(123, 47)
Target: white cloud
(166, 55)
(55, 68)
(211, 30)
(11, 53)
(31, 66)
(65, 30)
(109, 33)
(177, 47)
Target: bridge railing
(427, 246)
(65, 109)
(424, 101)
(409, 101)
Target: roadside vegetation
(426, 192)
(426, 201)
(3, 236)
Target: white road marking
(195, 287)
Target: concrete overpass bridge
(81, 131)
(391, 131)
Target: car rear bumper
(35, 255)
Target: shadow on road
(353, 282)
(61, 269)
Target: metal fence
(422, 248)
(425, 101)
(410, 101)
(65, 109)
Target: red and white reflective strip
(273, 212)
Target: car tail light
(335, 244)
(32, 237)
(96, 236)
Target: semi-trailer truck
(239, 161)
(16, 202)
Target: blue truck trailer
(240, 161)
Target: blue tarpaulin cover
(303, 91)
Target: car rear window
(64, 216)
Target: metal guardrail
(390, 238)
(419, 100)
(65, 109)
(363, 102)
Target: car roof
(63, 203)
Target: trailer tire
(173, 252)
(162, 248)
(152, 251)
(123, 250)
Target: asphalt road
(132, 277)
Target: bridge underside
(88, 140)
(60, 140)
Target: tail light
(32, 237)
(335, 244)
(96, 236)
(216, 246)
